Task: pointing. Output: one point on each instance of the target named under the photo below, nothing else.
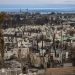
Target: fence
(10, 72)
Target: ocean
(38, 8)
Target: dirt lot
(61, 71)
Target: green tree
(2, 17)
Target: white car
(7, 55)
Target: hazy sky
(34, 2)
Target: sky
(52, 4)
(36, 2)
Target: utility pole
(42, 42)
(54, 43)
(37, 42)
(44, 58)
(62, 45)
